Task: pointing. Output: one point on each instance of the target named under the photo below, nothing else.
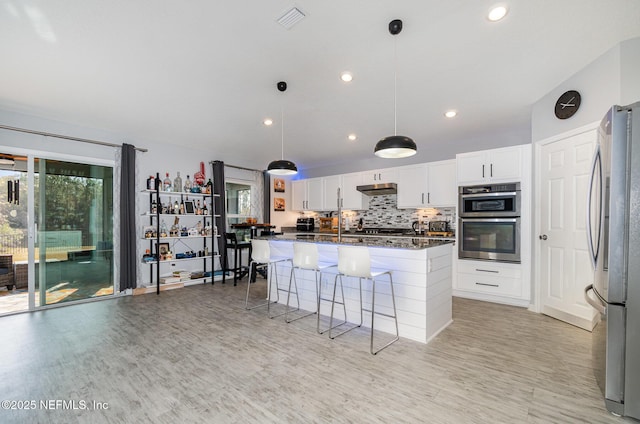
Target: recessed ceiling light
(450, 113)
(497, 12)
(346, 77)
(352, 137)
(268, 121)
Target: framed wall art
(278, 185)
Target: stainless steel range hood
(378, 189)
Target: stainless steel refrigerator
(613, 231)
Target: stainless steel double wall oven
(489, 222)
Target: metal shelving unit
(154, 242)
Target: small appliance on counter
(305, 224)
(328, 224)
(439, 229)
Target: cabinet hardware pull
(482, 171)
(429, 197)
(491, 169)
(487, 284)
(422, 198)
(487, 270)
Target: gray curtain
(220, 202)
(128, 254)
(266, 213)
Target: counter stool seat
(261, 255)
(355, 261)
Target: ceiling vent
(290, 18)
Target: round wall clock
(567, 105)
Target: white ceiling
(203, 73)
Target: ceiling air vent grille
(290, 18)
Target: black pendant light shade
(395, 146)
(282, 166)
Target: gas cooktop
(387, 231)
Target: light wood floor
(195, 355)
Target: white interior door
(564, 266)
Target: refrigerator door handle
(598, 306)
(593, 250)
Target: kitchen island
(421, 270)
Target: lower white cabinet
(492, 281)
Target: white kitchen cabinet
(413, 186)
(442, 183)
(496, 165)
(298, 195)
(427, 185)
(379, 176)
(306, 195)
(352, 199)
(330, 192)
(492, 281)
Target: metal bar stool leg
(373, 313)
(320, 299)
(270, 268)
(331, 326)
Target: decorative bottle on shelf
(177, 183)
(176, 207)
(166, 185)
(209, 186)
(154, 207)
(187, 185)
(151, 183)
(198, 210)
(205, 211)
(181, 204)
(163, 230)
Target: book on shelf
(169, 279)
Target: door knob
(543, 237)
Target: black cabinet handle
(487, 284)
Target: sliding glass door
(69, 255)
(74, 218)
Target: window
(238, 197)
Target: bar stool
(261, 255)
(305, 257)
(355, 261)
(231, 242)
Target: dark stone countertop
(398, 242)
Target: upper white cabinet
(378, 176)
(443, 190)
(427, 185)
(496, 165)
(330, 192)
(307, 195)
(350, 197)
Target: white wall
(11, 140)
(630, 71)
(613, 78)
(288, 217)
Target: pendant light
(282, 166)
(395, 146)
